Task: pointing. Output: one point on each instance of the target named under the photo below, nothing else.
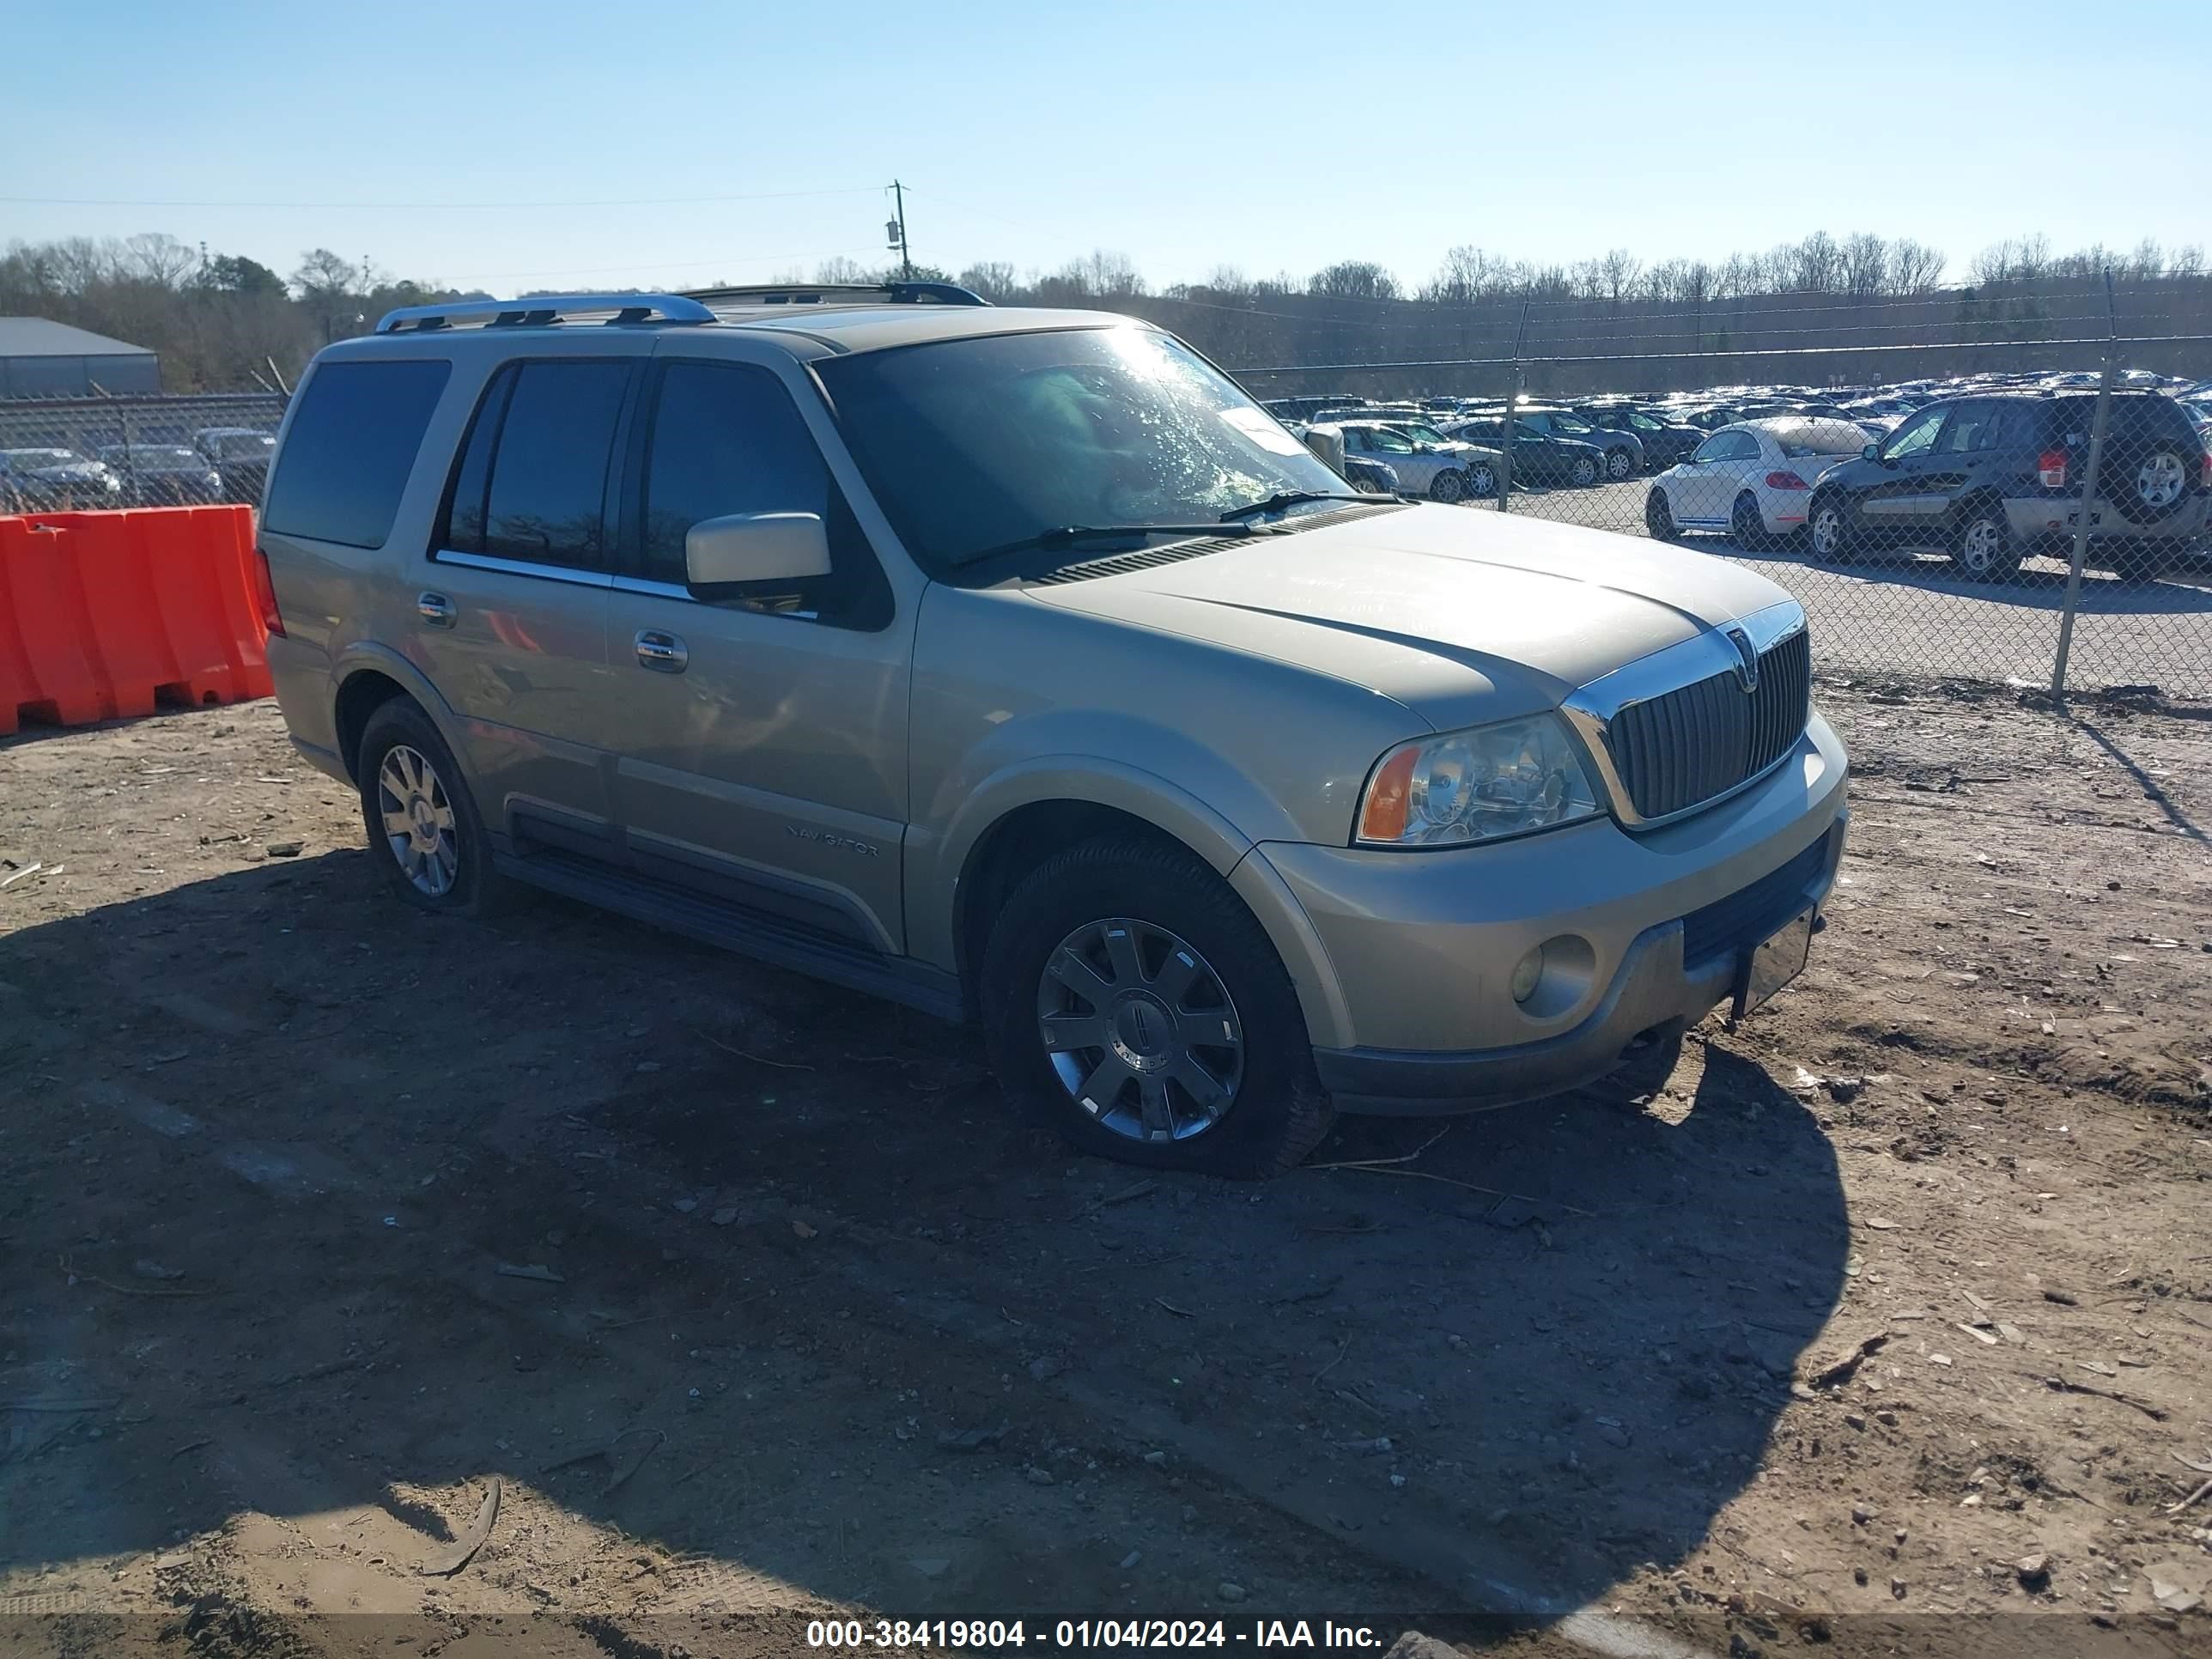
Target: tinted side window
(351, 446)
(549, 468)
(465, 513)
(726, 439)
(1972, 428)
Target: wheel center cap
(424, 820)
(1144, 1030)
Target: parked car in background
(163, 475)
(240, 455)
(55, 480)
(1993, 477)
(1370, 476)
(1536, 458)
(1665, 441)
(1754, 480)
(1622, 449)
(1430, 465)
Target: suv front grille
(1686, 746)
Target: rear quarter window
(350, 449)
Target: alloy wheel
(1981, 548)
(1141, 1030)
(1617, 465)
(2160, 480)
(417, 815)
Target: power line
(418, 206)
(663, 264)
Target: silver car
(1014, 665)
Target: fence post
(1512, 413)
(2098, 424)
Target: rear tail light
(1785, 481)
(2052, 469)
(265, 590)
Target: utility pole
(898, 231)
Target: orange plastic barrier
(103, 615)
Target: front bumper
(1641, 932)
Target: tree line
(224, 322)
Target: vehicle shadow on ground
(276, 1137)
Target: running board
(718, 922)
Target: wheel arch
(1020, 830)
(370, 677)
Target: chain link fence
(1932, 526)
(77, 453)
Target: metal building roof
(42, 337)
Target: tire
(1828, 533)
(1448, 486)
(1481, 480)
(1267, 1110)
(410, 779)
(1585, 470)
(1620, 464)
(1747, 525)
(1984, 548)
(1659, 517)
(2150, 480)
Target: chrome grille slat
(1686, 746)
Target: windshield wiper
(1068, 535)
(1283, 498)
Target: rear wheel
(1747, 524)
(1620, 464)
(1134, 1005)
(1448, 485)
(1828, 532)
(1659, 517)
(2150, 483)
(1585, 470)
(424, 833)
(1481, 479)
(1984, 548)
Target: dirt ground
(320, 1218)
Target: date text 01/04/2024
(985, 1634)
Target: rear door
(1966, 455)
(761, 747)
(510, 609)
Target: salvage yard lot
(322, 1213)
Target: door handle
(434, 609)
(663, 654)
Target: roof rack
(542, 309)
(817, 294)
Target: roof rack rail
(542, 309)
(815, 294)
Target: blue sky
(1271, 137)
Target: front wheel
(1447, 486)
(1481, 481)
(1133, 1002)
(1619, 464)
(1659, 517)
(1985, 549)
(1829, 533)
(1585, 472)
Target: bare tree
(993, 279)
(1864, 265)
(1914, 267)
(1354, 279)
(1617, 271)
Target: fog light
(1526, 972)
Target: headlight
(1467, 787)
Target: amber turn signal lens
(1383, 817)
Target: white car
(1753, 480)
(1426, 462)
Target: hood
(1461, 616)
(69, 472)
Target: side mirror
(1871, 453)
(725, 558)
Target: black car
(240, 456)
(52, 480)
(1666, 443)
(163, 475)
(1996, 476)
(1536, 458)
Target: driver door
(1906, 502)
(1709, 486)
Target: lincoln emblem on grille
(1746, 659)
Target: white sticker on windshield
(1263, 429)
